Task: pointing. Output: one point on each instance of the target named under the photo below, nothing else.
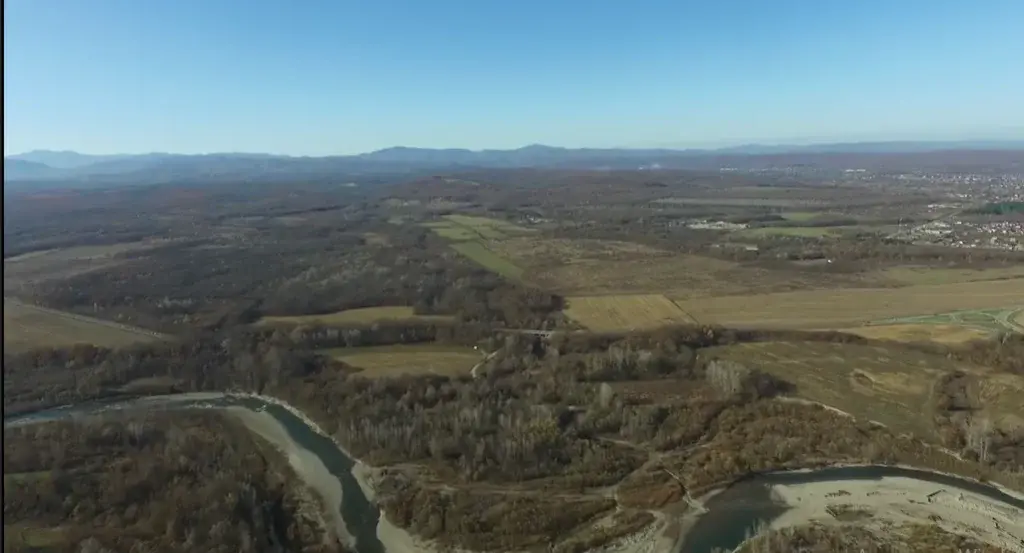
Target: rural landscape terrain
(573, 355)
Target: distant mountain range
(73, 168)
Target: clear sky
(319, 77)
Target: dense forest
(154, 482)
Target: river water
(731, 513)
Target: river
(729, 516)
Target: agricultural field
(852, 306)
(468, 227)
(803, 232)
(582, 267)
(473, 237)
(939, 333)
(911, 275)
(625, 312)
(745, 202)
(993, 320)
(886, 385)
(28, 326)
(487, 258)
(354, 316)
(395, 360)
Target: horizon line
(737, 145)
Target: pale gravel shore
(393, 538)
(308, 466)
(905, 500)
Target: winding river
(730, 514)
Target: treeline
(553, 414)
(155, 482)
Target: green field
(467, 227)
(488, 259)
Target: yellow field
(888, 385)
(943, 334)
(28, 326)
(354, 316)
(851, 306)
(395, 360)
(626, 312)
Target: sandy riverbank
(393, 538)
(308, 466)
(904, 500)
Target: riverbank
(794, 497)
(306, 465)
(897, 500)
(393, 538)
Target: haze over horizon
(336, 78)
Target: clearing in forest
(354, 316)
(853, 306)
(625, 312)
(28, 326)
(467, 227)
(395, 360)
(482, 255)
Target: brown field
(28, 326)
(354, 316)
(395, 360)
(625, 312)
(586, 267)
(910, 275)
(851, 306)
(943, 334)
(884, 384)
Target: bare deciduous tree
(728, 377)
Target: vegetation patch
(395, 360)
(911, 275)
(479, 253)
(803, 232)
(625, 312)
(992, 320)
(28, 326)
(943, 334)
(888, 385)
(467, 227)
(354, 316)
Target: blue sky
(319, 77)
